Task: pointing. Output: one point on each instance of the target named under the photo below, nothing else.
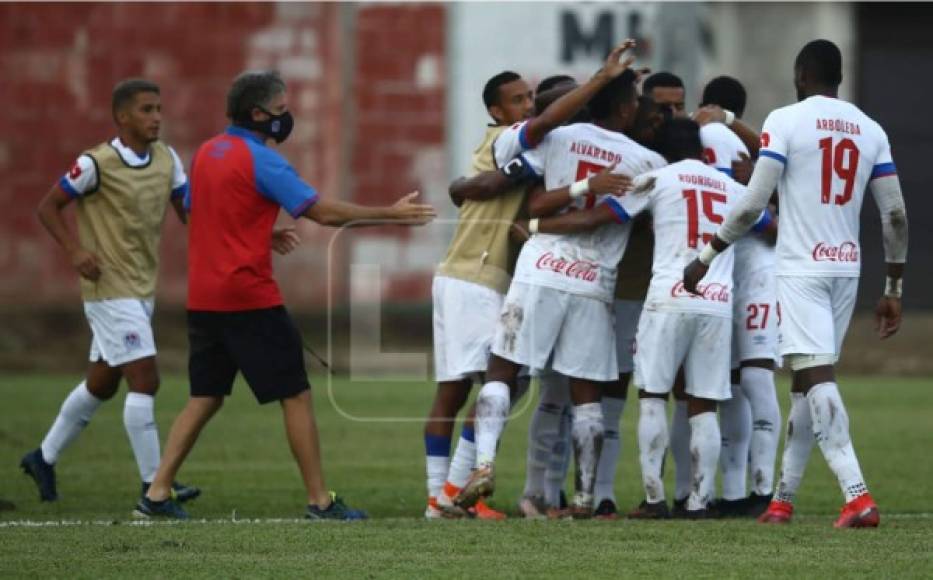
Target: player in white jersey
(821, 153)
(749, 420)
(558, 309)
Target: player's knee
(103, 391)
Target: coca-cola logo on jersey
(577, 269)
(844, 252)
(714, 292)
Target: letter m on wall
(595, 44)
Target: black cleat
(703, 514)
(679, 509)
(728, 508)
(650, 511)
(180, 492)
(146, 509)
(755, 504)
(606, 510)
(34, 465)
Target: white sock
(735, 416)
(797, 446)
(652, 445)
(464, 459)
(437, 462)
(556, 474)
(831, 430)
(705, 440)
(543, 433)
(758, 386)
(680, 450)
(141, 428)
(492, 411)
(609, 458)
(74, 416)
(587, 444)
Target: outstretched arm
(328, 212)
(545, 203)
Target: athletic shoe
(148, 509)
(482, 511)
(34, 465)
(650, 511)
(582, 506)
(606, 510)
(728, 508)
(445, 502)
(701, 514)
(755, 504)
(861, 512)
(533, 507)
(337, 510)
(778, 512)
(432, 512)
(180, 492)
(679, 508)
(482, 483)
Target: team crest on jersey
(131, 341)
(75, 171)
(765, 139)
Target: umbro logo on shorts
(131, 341)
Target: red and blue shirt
(238, 185)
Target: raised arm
(715, 113)
(335, 213)
(887, 193)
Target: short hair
(126, 90)
(552, 81)
(680, 139)
(662, 79)
(820, 61)
(252, 89)
(617, 91)
(726, 92)
(491, 90)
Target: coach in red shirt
(236, 319)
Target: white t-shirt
(831, 150)
(82, 177)
(583, 263)
(720, 148)
(688, 200)
(510, 143)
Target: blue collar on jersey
(244, 133)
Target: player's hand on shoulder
(742, 169)
(709, 114)
(693, 273)
(407, 211)
(608, 183)
(86, 264)
(887, 316)
(285, 240)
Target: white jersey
(830, 150)
(687, 201)
(82, 178)
(720, 148)
(511, 142)
(584, 263)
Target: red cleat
(778, 512)
(482, 511)
(861, 512)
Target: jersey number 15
(693, 214)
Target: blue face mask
(278, 127)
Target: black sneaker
(650, 511)
(180, 492)
(755, 504)
(728, 508)
(337, 510)
(606, 510)
(34, 465)
(679, 508)
(703, 514)
(147, 509)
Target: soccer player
(558, 308)
(820, 153)
(236, 318)
(749, 420)
(122, 189)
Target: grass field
(243, 465)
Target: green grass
(243, 465)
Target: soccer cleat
(482, 511)
(445, 502)
(34, 465)
(650, 511)
(755, 504)
(533, 507)
(700, 514)
(482, 483)
(778, 512)
(679, 509)
(582, 506)
(337, 510)
(147, 509)
(861, 512)
(728, 508)
(180, 492)
(606, 510)
(432, 512)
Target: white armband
(579, 188)
(893, 287)
(730, 117)
(707, 254)
(533, 225)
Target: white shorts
(537, 322)
(465, 316)
(699, 342)
(121, 330)
(815, 313)
(627, 313)
(755, 321)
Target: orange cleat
(861, 512)
(481, 511)
(481, 484)
(778, 512)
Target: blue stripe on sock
(437, 445)
(468, 434)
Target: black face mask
(278, 127)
